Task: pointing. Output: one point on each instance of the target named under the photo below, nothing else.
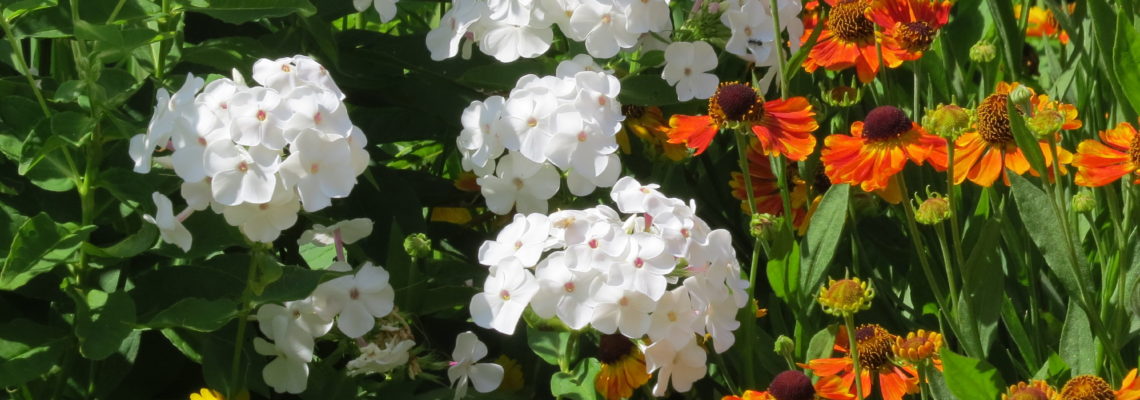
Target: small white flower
(631, 196)
(524, 239)
(505, 296)
(602, 25)
(572, 66)
(357, 299)
(292, 326)
(350, 231)
(520, 183)
(386, 8)
(320, 168)
(480, 140)
(646, 15)
(241, 175)
(443, 41)
(507, 42)
(621, 309)
(317, 109)
(285, 374)
(169, 226)
(376, 360)
(564, 293)
(686, 67)
(485, 376)
(674, 319)
(257, 118)
(752, 30)
(681, 365)
(264, 222)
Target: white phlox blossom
(657, 270)
(511, 29)
(517, 145)
(256, 154)
(386, 8)
(285, 373)
(464, 368)
(686, 68)
(357, 300)
(170, 225)
(379, 360)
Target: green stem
(242, 319)
(952, 197)
(915, 108)
(750, 320)
(849, 321)
(920, 251)
(780, 169)
(923, 375)
(779, 43)
(18, 48)
(950, 278)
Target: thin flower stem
(950, 278)
(923, 375)
(779, 43)
(243, 315)
(952, 197)
(750, 320)
(849, 321)
(18, 48)
(920, 250)
(916, 110)
(882, 67)
(780, 169)
(1060, 189)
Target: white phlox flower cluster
(510, 29)
(352, 302)
(753, 33)
(255, 154)
(659, 272)
(517, 145)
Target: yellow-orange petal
(786, 128)
(1099, 165)
(1129, 388)
(893, 384)
(696, 132)
(832, 388)
(829, 366)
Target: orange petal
(696, 132)
(829, 366)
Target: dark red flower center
(734, 100)
(885, 122)
(792, 385)
(612, 348)
(849, 23)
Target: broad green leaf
(114, 42)
(646, 90)
(241, 11)
(547, 345)
(28, 350)
(1077, 340)
(1125, 59)
(1026, 140)
(577, 384)
(818, 246)
(1012, 38)
(784, 271)
(180, 342)
(15, 9)
(195, 314)
(1033, 204)
(317, 257)
(130, 246)
(970, 378)
(822, 343)
(293, 283)
(504, 76)
(977, 316)
(40, 245)
(102, 322)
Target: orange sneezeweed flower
(911, 23)
(766, 188)
(1043, 24)
(649, 125)
(794, 385)
(1129, 388)
(1116, 154)
(623, 367)
(784, 127)
(874, 343)
(984, 153)
(877, 149)
(1033, 390)
(848, 40)
(919, 346)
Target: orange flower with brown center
(784, 127)
(1116, 154)
(649, 125)
(1033, 390)
(878, 148)
(848, 40)
(623, 367)
(1087, 387)
(874, 344)
(913, 24)
(984, 154)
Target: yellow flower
(845, 297)
(918, 346)
(623, 367)
(1034, 390)
(208, 394)
(512, 374)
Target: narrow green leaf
(1034, 205)
(1026, 140)
(1077, 341)
(241, 11)
(1012, 39)
(1126, 59)
(1017, 332)
(195, 314)
(818, 247)
(970, 378)
(39, 245)
(130, 246)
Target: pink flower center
(505, 295)
(569, 287)
(261, 115)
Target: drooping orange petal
(696, 132)
(1099, 165)
(786, 128)
(892, 193)
(830, 366)
(968, 149)
(1130, 388)
(832, 387)
(988, 168)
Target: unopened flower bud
(785, 346)
(842, 96)
(417, 245)
(762, 224)
(933, 210)
(1046, 123)
(947, 121)
(1020, 95)
(845, 297)
(983, 52)
(1083, 201)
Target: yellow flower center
(849, 23)
(1087, 387)
(993, 120)
(1134, 148)
(874, 344)
(916, 36)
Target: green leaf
(195, 314)
(822, 343)
(129, 247)
(1077, 341)
(114, 42)
(981, 289)
(241, 11)
(317, 257)
(818, 246)
(28, 350)
(784, 270)
(577, 384)
(102, 321)
(40, 245)
(547, 344)
(1017, 332)
(1033, 204)
(1125, 59)
(503, 76)
(1026, 140)
(1012, 39)
(646, 90)
(970, 378)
